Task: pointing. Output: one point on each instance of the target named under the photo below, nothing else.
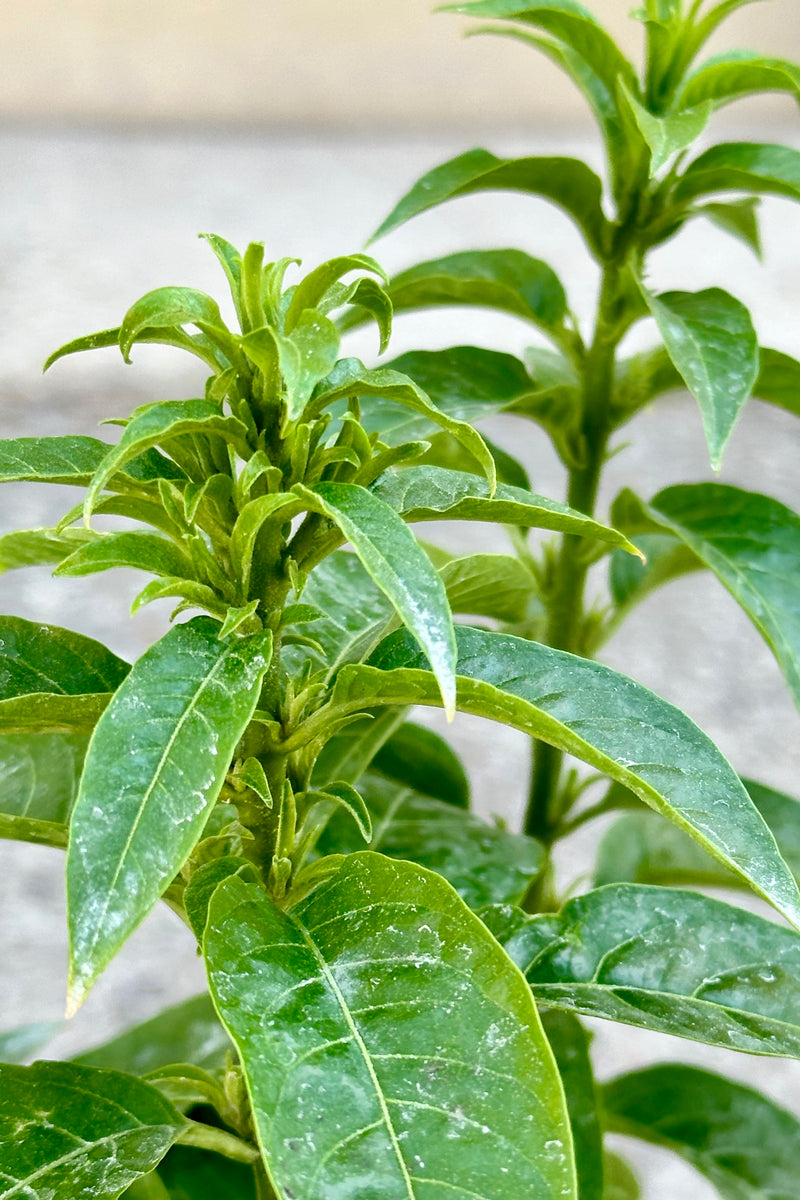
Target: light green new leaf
(72, 1131)
(438, 494)
(159, 423)
(40, 547)
(153, 772)
(619, 1181)
(566, 182)
(74, 460)
(171, 308)
(489, 585)
(484, 863)
(710, 338)
(640, 848)
(312, 289)
(45, 658)
(570, 1044)
(395, 561)
(382, 988)
(752, 544)
(743, 1143)
(667, 135)
(668, 960)
(140, 551)
(728, 77)
(606, 720)
(188, 1032)
(742, 167)
(509, 280)
(249, 523)
(421, 760)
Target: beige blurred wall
(334, 63)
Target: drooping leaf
(17, 1045)
(566, 182)
(597, 715)
(74, 460)
(311, 290)
(396, 562)
(461, 1094)
(484, 863)
(128, 548)
(437, 494)
(710, 338)
(752, 544)
(570, 1045)
(667, 960)
(45, 658)
(419, 759)
(188, 1032)
(153, 772)
(742, 167)
(743, 1143)
(85, 1132)
(39, 547)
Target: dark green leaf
(40, 547)
(74, 460)
(742, 167)
(355, 611)
(378, 939)
(191, 1174)
(664, 959)
(484, 863)
(204, 882)
(570, 1044)
(566, 182)
(153, 772)
(44, 658)
(141, 551)
(16, 1045)
(607, 720)
(710, 338)
(40, 774)
(187, 1032)
(631, 580)
(421, 760)
(86, 1132)
(752, 544)
(779, 381)
(743, 1143)
(396, 562)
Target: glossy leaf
(39, 547)
(396, 562)
(421, 760)
(509, 280)
(437, 494)
(752, 544)
(743, 1143)
(603, 718)
(484, 863)
(566, 182)
(188, 1032)
(377, 939)
(570, 1045)
(742, 167)
(667, 960)
(86, 1132)
(74, 460)
(44, 658)
(154, 770)
(140, 551)
(710, 338)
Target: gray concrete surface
(90, 221)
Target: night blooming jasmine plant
(395, 986)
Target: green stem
(206, 1137)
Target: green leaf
(250, 522)
(160, 423)
(630, 579)
(141, 551)
(352, 378)
(74, 460)
(603, 718)
(752, 544)
(668, 134)
(188, 1032)
(44, 658)
(197, 344)
(743, 1143)
(728, 77)
(348, 754)
(311, 290)
(155, 767)
(484, 863)
(191, 1174)
(374, 300)
(40, 774)
(399, 566)
(667, 960)
(779, 381)
(421, 760)
(640, 848)
(710, 338)
(378, 940)
(204, 882)
(23, 1042)
(489, 585)
(509, 280)
(570, 1045)
(168, 308)
(566, 182)
(42, 712)
(737, 217)
(742, 167)
(86, 1132)
(40, 547)
(619, 1181)
(436, 494)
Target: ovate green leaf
(421, 760)
(44, 658)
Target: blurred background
(126, 128)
